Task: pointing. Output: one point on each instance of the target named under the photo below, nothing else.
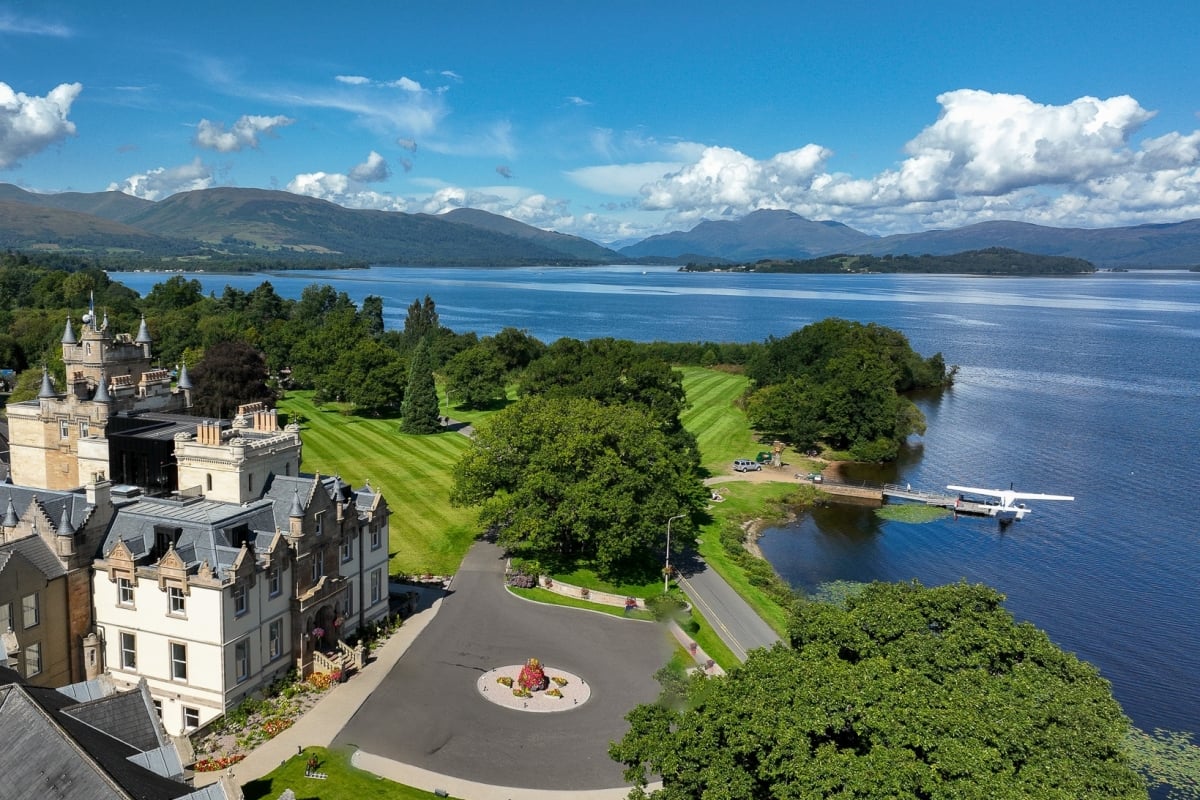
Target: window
(347, 549)
(320, 523)
(274, 583)
(241, 600)
(250, 483)
(31, 612)
(6, 618)
(376, 585)
(208, 481)
(125, 591)
(318, 564)
(179, 661)
(275, 639)
(128, 651)
(33, 659)
(241, 660)
(158, 708)
(64, 429)
(177, 602)
(348, 598)
(84, 429)
(191, 718)
(376, 539)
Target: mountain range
(259, 227)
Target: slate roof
(58, 755)
(205, 528)
(34, 550)
(53, 501)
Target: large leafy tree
(907, 692)
(474, 378)
(419, 411)
(230, 374)
(573, 478)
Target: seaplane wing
(1008, 496)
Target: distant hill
(760, 234)
(243, 226)
(784, 235)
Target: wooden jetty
(891, 491)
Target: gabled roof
(205, 528)
(34, 550)
(58, 755)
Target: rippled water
(1083, 386)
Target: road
(738, 625)
(428, 713)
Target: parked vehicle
(746, 465)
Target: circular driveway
(427, 712)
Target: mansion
(182, 553)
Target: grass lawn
(555, 599)
(344, 782)
(413, 472)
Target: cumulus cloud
(373, 170)
(987, 156)
(163, 182)
(407, 84)
(344, 190)
(504, 171)
(243, 134)
(408, 144)
(29, 124)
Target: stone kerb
(591, 595)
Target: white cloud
(163, 182)
(407, 84)
(575, 100)
(987, 156)
(373, 170)
(12, 24)
(622, 180)
(28, 124)
(353, 80)
(341, 189)
(408, 144)
(243, 134)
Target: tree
(572, 478)
(230, 374)
(907, 692)
(474, 378)
(368, 375)
(419, 411)
(516, 348)
(421, 319)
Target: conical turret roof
(10, 514)
(65, 528)
(297, 509)
(47, 389)
(184, 381)
(69, 333)
(143, 336)
(102, 395)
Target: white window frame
(31, 611)
(33, 659)
(348, 598)
(275, 640)
(241, 660)
(177, 653)
(176, 601)
(64, 429)
(274, 581)
(85, 429)
(376, 585)
(376, 538)
(191, 718)
(318, 565)
(241, 599)
(125, 592)
(128, 645)
(347, 549)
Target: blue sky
(619, 120)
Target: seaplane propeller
(1011, 505)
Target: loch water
(1086, 386)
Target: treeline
(835, 383)
(990, 261)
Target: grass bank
(342, 782)
(413, 472)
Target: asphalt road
(428, 713)
(738, 625)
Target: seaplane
(1010, 506)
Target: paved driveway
(428, 713)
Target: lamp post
(667, 566)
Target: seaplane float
(1008, 506)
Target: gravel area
(575, 692)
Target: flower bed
(216, 764)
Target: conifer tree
(419, 411)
